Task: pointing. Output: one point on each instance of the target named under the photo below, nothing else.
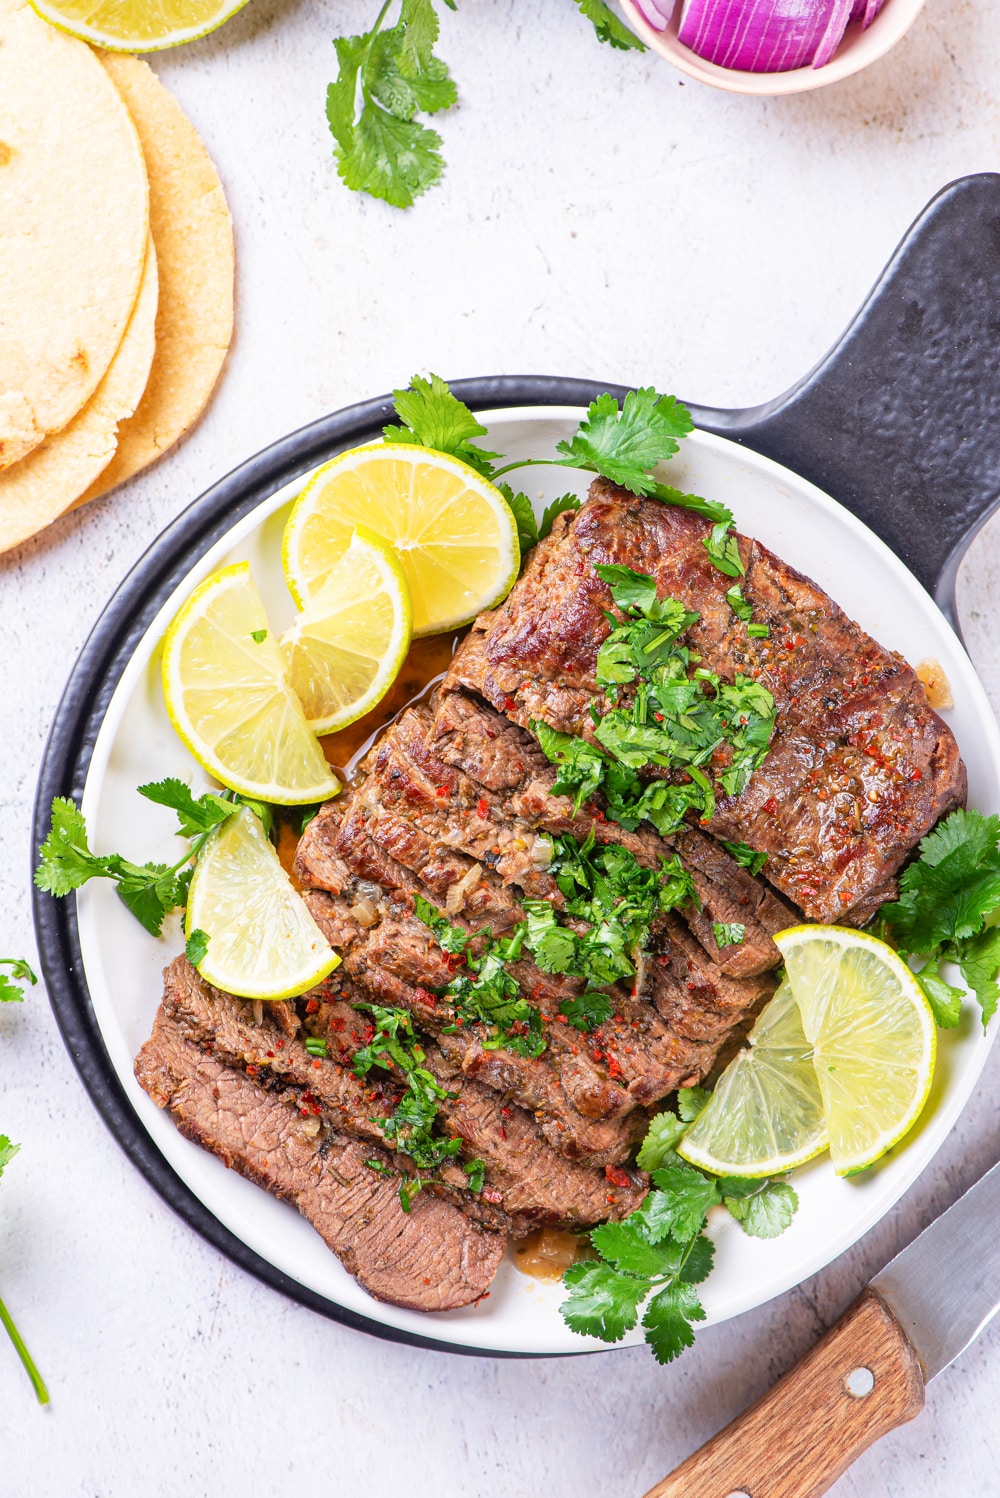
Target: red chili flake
(614, 1070)
(561, 1019)
(770, 806)
(426, 997)
(442, 790)
(506, 1112)
(658, 717)
(502, 1132)
(509, 704)
(252, 1071)
(916, 775)
(482, 808)
(616, 1175)
(312, 1006)
(427, 1279)
(270, 1055)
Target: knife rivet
(860, 1382)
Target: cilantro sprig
(11, 991)
(387, 77)
(8, 1150)
(655, 1258)
(149, 890)
(624, 444)
(946, 898)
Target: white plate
(122, 963)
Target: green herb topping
(660, 1253)
(11, 991)
(946, 897)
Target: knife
(868, 1373)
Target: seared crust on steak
(860, 768)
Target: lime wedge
(766, 1113)
(137, 25)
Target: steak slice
(527, 1184)
(860, 767)
(433, 1258)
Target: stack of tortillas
(116, 272)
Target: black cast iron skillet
(900, 423)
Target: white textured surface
(599, 219)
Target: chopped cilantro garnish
(258, 636)
(746, 857)
(728, 933)
(410, 1128)
(196, 947)
(738, 604)
(946, 897)
(759, 631)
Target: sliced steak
(433, 1258)
(859, 768)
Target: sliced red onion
(657, 15)
(763, 36)
(834, 33)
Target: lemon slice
(137, 25)
(345, 649)
(452, 531)
(229, 698)
(766, 1113)
(872, 1033)
(262, 941)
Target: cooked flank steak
(555, 888)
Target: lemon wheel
(346, 647)
(451, 529)
(228, 696)
(137, 25)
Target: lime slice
(345, 649)
(262, 941)
(766, 1113)
(229, 698)
(137, 25)
(872, 1033)
(452, 531)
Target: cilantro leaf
(194, 815)
(524, 517)
(450, 938)
(698, 1260)
(7, 1152)
(581, 766)
(679, 1204)
(558, 506)
(663, 1136)
(433, 417)
(196, 946)
(623, 1245)
(384, 78)
(980, 966)
(601, 1303)
(476, 1171)
(622, 445)
(728, 933)
(738, 604)
(951, 887)
(764, 1209)
(667, 1321)
(690, 1102)
(587, 1010)
(724, 550)
(746, 857)
(609, 27)
(945, 1000)
(20, 972)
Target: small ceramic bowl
(855, 52)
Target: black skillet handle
(900, 422)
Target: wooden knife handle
(806, 1431)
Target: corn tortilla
(193, 233)
(35, 491)
(74, 219)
